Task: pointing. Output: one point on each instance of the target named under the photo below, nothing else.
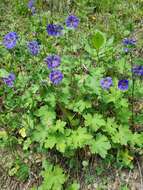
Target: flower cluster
(9, 81)
(72, 22)
(33, 47)
(10, 39)
(106, 83)
(52, 62)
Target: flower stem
(133, 87)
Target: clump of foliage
(65, 90)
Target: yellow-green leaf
(22, 132)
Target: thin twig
(140, 172)
(127, 180)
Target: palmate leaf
(81, 105)
(94, 121)
(46, 114)
(137, 139)
(59, 126)
(123, 135)
(51, 141)
(100, 145)
(74, 186)
(58, 140)
(79, 138)
(40, 134)
(57, 137)
(54, 178)
(111, 127)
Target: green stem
(133, 87)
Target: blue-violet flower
(130, 41)
(33, 47)
(31, 4)
(138, 70)
(72, 21)
(56, 76)
(106, 83)
(53, 61)
(123, 84)
(54, 29)
(10, 39)
(9, 81)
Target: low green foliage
(77, 116)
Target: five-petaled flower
(123, 84)
(10, 39)
(9, 80)
(53, 61)
(106, 83)
(33, 47)
(56, 76)
(54, 29)
(72, 21)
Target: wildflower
(10, 40)
(138, 70)
(54, 29)
(33, 47)
(53, 61)
(106, 83)
(9, 81)
(123, 84)
(126, 50)
(128, 41)
(31, 4)
(56, 76)
(72, 21)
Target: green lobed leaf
(54, 178)
(123, 136)
(94, 121)
(100, 145)
(74, 186)
(79, 138)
